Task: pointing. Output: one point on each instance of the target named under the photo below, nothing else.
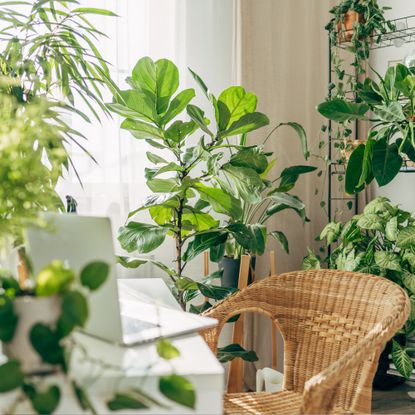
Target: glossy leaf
(141, 237)
(43, 401)
(354, 170)
(386, 162)
(252, 158)
(233, 351)
(46, 343)
(290, 175)
(203, 242)
(401, 360)
(178, 105)
(282, 239)
(342, 111)
(246, 124)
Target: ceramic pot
(345, 30)
(231, 267)
(32, 310)
(269, 380)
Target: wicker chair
(334, 324)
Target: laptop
(79, 240)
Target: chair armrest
(320, 391)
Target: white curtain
(192, 33)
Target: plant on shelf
(50, 50)
(390, 105)
(198, 173)
(359, 23)
(380, 241)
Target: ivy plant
(380, 241)
(389, 105)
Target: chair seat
(263, 403)
(281, 403)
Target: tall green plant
(50, 49)
(199, 172)
(380, 241)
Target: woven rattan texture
(334, 325)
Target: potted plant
(379, 241)
(269, 198)
(360, 22)
(390, 105)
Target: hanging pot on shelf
(231, 266)
(31, 310)
(345, 29)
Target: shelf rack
(403, 33)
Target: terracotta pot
(32, 310)
(231, 267)
(345, 29)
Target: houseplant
(389, 105)
(380, 241)
(360, 23)
(50, 50)
(209, 175)
(258, 208)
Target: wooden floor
(396, 401)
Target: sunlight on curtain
(192, 33)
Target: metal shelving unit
(404, 33)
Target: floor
(396, 401)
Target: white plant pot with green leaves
(31, 310)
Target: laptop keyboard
(132, 325)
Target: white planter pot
(32, 310)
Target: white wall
(400, 191)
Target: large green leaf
(179, 130)
(162, 185)
(311, 261)
(290, 175)
(200, 221)
(388, 260)
(215, 292)
(391, 229)
(198, 116)
(282, 201)
(178, 104)
(247, 181)
(386, 162)
(178, 389)
(401, 360)
(371, 221)
(142, 130)
(390, 112)
(354, 170)
(331, 232)
(253, 158)
(11, 376)
(233, 103)
(342, 111)
(160, 79)
(165, 199)
(408, 281)
(246, 124)
(298, 128)
(220, 201)
(367, 173)
(406, 238)
(251, 237)
(135, 104)
(203, 242)
(141, 237)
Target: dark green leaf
(43, 402)
(253, 158)
(401, 360)
(246, 124)
(341, 111)
(8, 319)
(354, 170)
(282, 239)
(178, 389)
(386, 162)
(11, 376)
(94, 275)
(290, 175)
(233, 351)
(203, 242)
(46, 343)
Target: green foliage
(379, 241)
(11, 376)
(178, 389)
(167, 350)
(232, 351)
(199, 172)
(391, 102)
(55, 278)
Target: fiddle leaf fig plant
(380, 241)
(205, 181)
(389, 105)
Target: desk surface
(139, 366)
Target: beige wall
(283, 52)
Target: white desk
(197, 363)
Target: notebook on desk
(139, 318)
